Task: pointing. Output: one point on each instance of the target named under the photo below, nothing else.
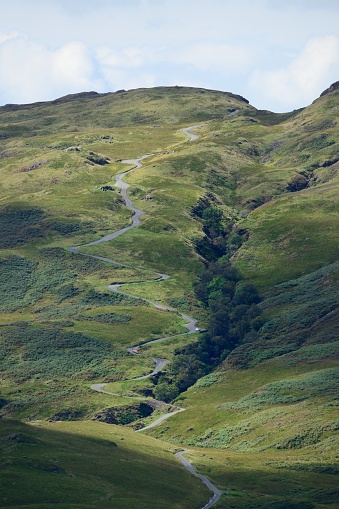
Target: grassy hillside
(91, 465)
(256, 189)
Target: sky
(278, 54)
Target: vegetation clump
(50, 352)
(17, 227)
(231, 304)
(107, 318)
(104, 298)
(97, 159)
(124, 414)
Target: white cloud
(125, 68)
(117, 78)
(306, 75)
(7, 36)
(31, 72)
(128, 57)
(72, 65)
(206, 56)
(69, 46)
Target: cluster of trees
(219, 238)
(232, 305)
(234, 317)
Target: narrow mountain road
(159, 366)
(191, 322)
(161, 419)
(216, 492)
(137, 213)
(187, 131)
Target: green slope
(89, 465)
(268, 411)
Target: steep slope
(256, 188)
(91, 465)
(278, 390)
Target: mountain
(243, 218)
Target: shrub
(52, 352)
(304, 439)
(166, 392)
(210, 379)
(285, 504)
(124, 414)
(107, 318)
(17, 227)
(69, 414)
(17, 276)
(66, 228)
(67, 292)
(324, 382)
(103, 299)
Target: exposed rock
(297, 183)
(233, 113)
(124, 414)
(72, 149)
(154, 403)
(33, 166)
(276, 144)
(330, 162)
(98, 159)
(332, 88)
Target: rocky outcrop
(124, 414)
(98, 159)
(330, 162)
(297, 183)
(332, 88)
(33, 166)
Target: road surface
(190, 325)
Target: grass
(49, 365)
(274, 440)
(290, 237)
(263, 426)
(256, 480)
(88, 464)
(237, 395)
(301, 322)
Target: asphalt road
(190, 325)
(216, 492)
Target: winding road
(187, 131)
(191, 322)
(216, 492)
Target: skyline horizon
(279, 54)
(162, 86)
